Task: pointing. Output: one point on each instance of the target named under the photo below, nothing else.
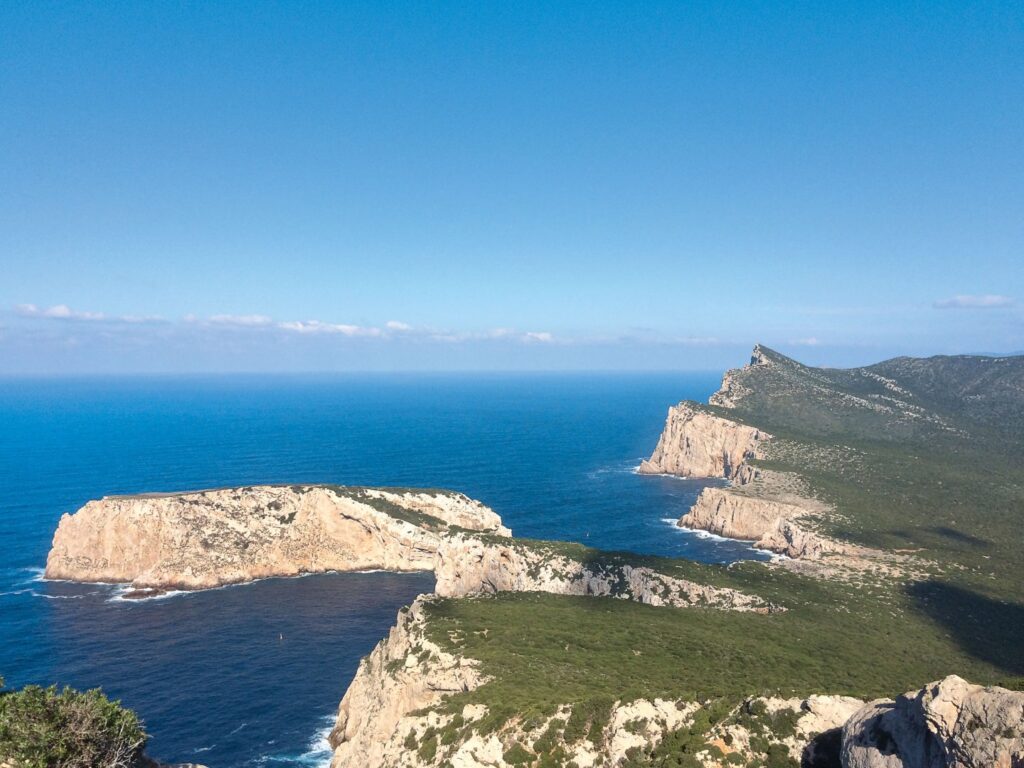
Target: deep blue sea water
(251, 675)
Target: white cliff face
(695, 443)
(467, 565)
(947, 724)
(209, 538)
(404, 674)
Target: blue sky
(338, 186)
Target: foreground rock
(205, 539)
(469, 565)
(947, 724)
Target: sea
(251, 675)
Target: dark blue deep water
(251, 675)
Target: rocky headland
(395, 714)
(772, 509)
(204, 539)
(762, 647)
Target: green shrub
(47, 728)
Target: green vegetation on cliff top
(916, 455)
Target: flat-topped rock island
(205, 539)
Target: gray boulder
(947, 724)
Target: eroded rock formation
(404, 674)
(947, 724)
(695, 443)
(467, 565)
(209, 538)
(770, 524)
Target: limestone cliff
(209, 538)
(945, 724)
(696, 443)
(404, 674)
(395, 715)
(770, 524)
(468, 565)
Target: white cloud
(810, 341)
(316, 326)
(57, 311)
(246, 321)
(396, 325)
(982, 301)
(541, 336)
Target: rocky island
(900, 583)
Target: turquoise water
(251, 675)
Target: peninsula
(893, 493)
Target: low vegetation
(51, 728)
(922, 473)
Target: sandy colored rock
(947, 724)
(695, 443)
(770, 524)
(468, 565)
(209, 538)
(405, 673)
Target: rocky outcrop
(735, 515)
(769, 523)
(947, 724)
(404, 674)
(468, 565)
(696, 443)
(209, 538)
(808, 729)
(734, 388)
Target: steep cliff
(468, 565)
(404, 674)
(205, 539)
(696, 443)
(946, 724)
(769, 523)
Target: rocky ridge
(205, 539)
(467, 565)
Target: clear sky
(325, 186)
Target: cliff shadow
(989, 630)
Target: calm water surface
(251, 675)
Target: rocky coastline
(398, 713)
